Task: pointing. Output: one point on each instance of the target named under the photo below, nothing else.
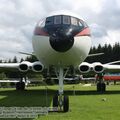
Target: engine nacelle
(24, 66)
(98, 67)
(37, 67)
(85, 67)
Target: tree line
(111, 53)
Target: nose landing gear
(60, 101)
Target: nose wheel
(61, 101)
(66, 104)
(55, 101)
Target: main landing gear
(101, 86)
(61, 101)
(21, 85)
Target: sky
(19, 17)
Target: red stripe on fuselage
(40, 31)
(84, 32)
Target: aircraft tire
(98, 87)
(20, 86)
(103, 87)
(66, 104)
(55, 101)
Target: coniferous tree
(14, 60)
(111, 53)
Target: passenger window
(66, 20)
(74, 21)
(49, 21)
(57, 20)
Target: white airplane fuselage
(51, 42)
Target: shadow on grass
(91, 92)
(39, 97)
(27, 98)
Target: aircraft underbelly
(74, 56)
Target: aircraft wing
(24, 66)
(111, 68)
(97, 54)
(25, 53)
(98, 67)
(9, 66)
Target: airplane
(112, 77)
(60, 40)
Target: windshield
(64, 19)
(49, 20)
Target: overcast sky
(19, 17)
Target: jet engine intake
(84, 67)
(37, 67)
(24, 66)
(98, 68)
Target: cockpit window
(57, 19)
(41, 23)
(84, 24)
(74, 21)
(80, 24)
(66, 19)
(49, 20)
(63, 19)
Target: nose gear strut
(60, 101)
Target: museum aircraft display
(61, 40)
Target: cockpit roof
(64, 19)
(65, 12)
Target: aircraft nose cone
(61, 44)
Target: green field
(85, 104)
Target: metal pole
(61, 81)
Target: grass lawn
(86, 104)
